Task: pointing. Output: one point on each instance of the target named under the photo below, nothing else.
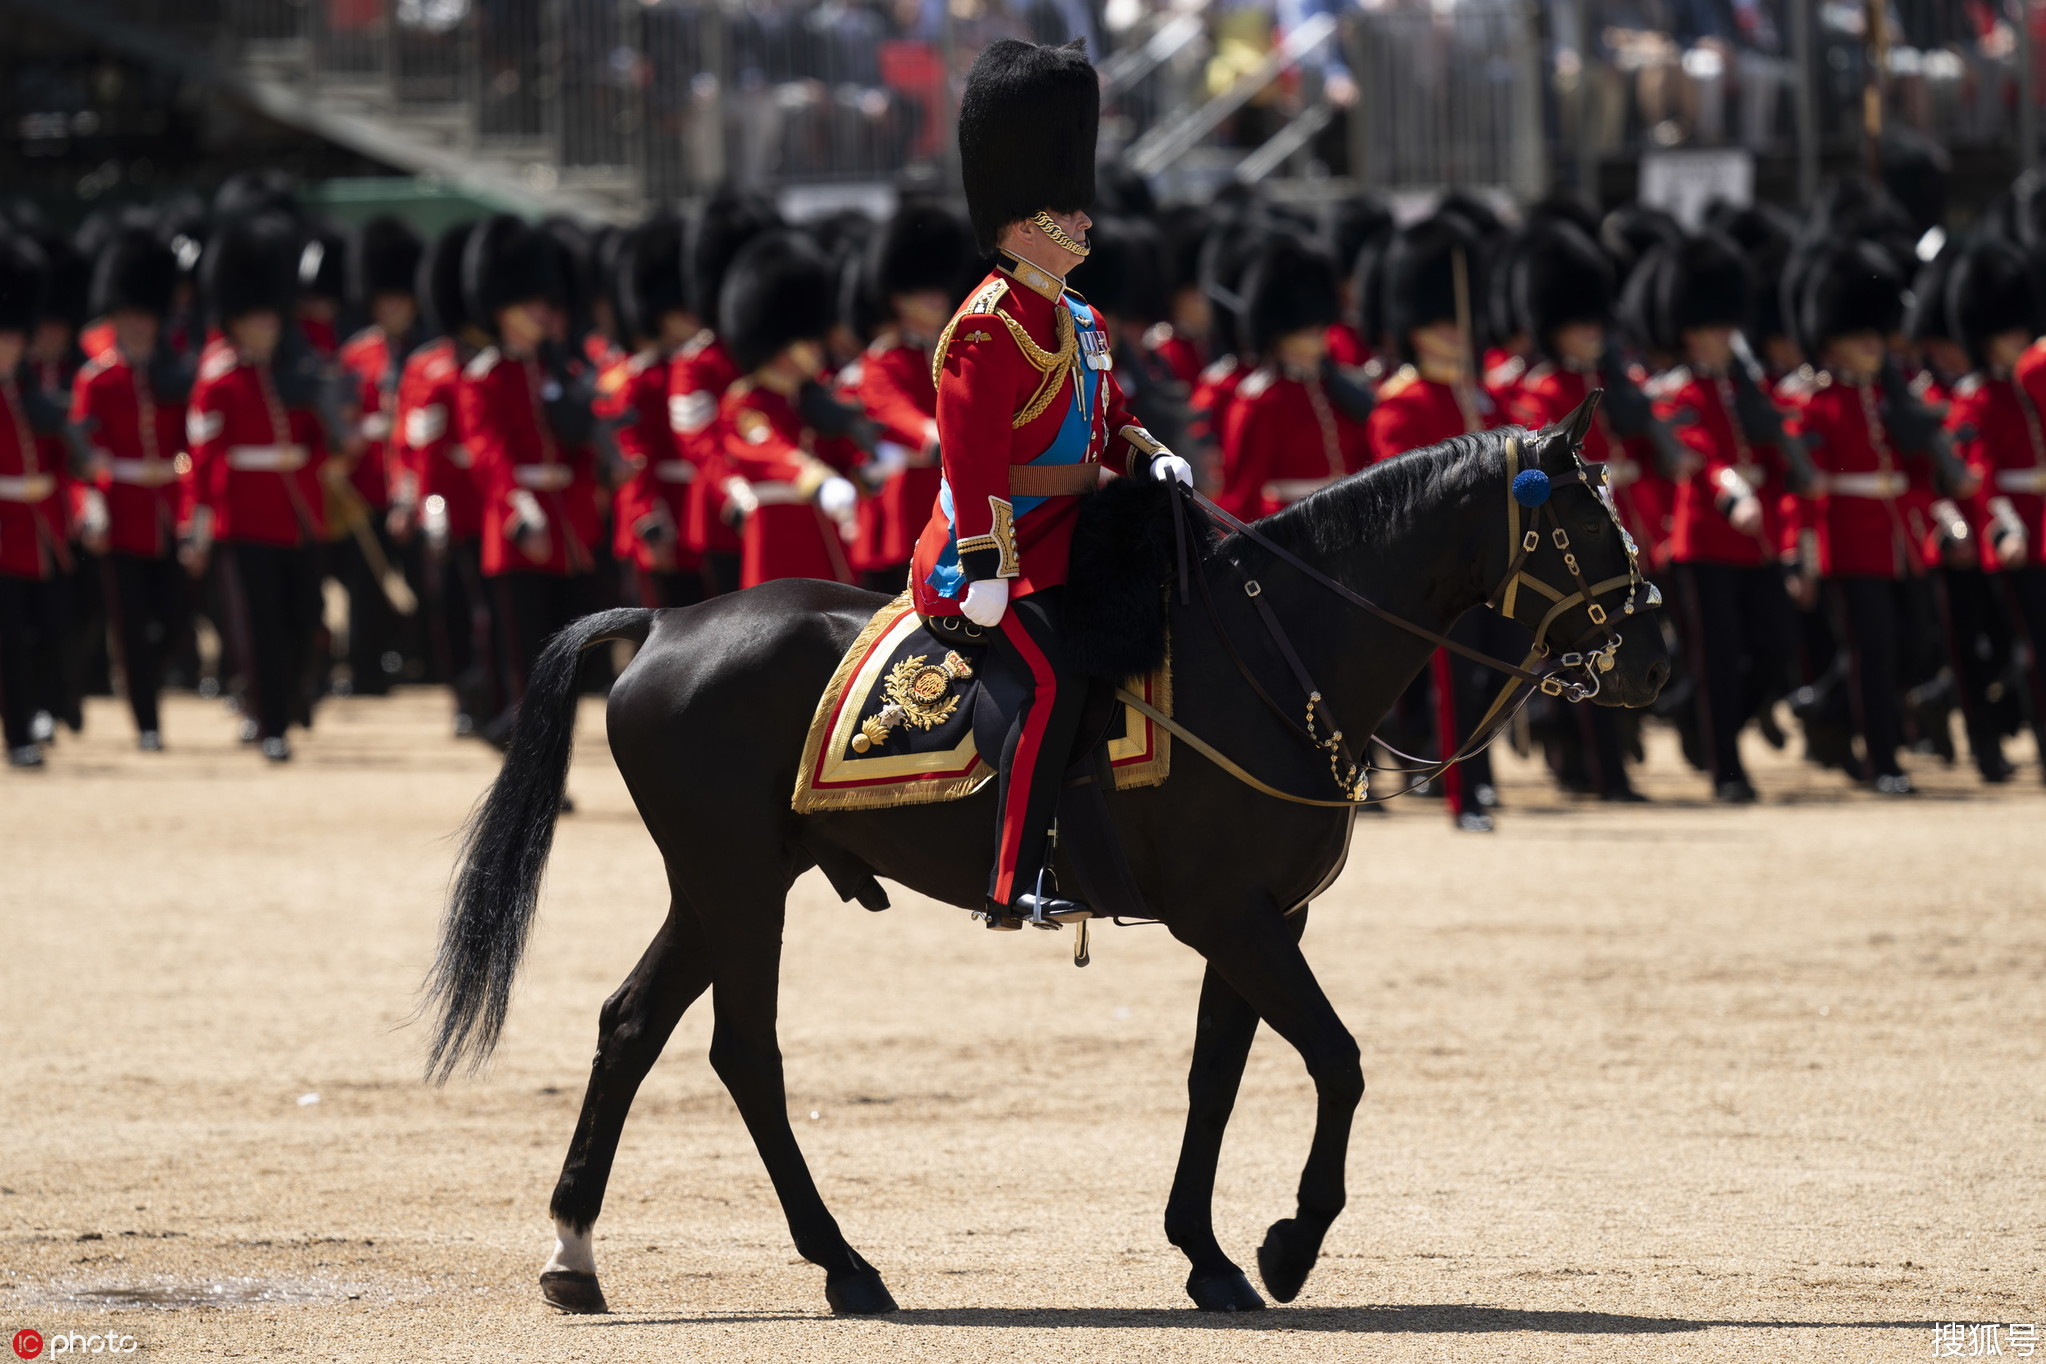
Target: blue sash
(1069, 446)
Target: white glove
(985, 601)
(836, 497)
(1169, 465)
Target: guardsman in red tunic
(1428, 285)
(34, 520)
(1726, 525)
(784, 479)
(1181, 339)
(383, 277)
(1286, 436)
(1856, 535)
(1998, 423)
(539, 490)
(436, 488)
(914, 271)
(257, 448)
(1028, 412)
(652, 507)
(703, 370)
(130, 399)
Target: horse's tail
(504, 851)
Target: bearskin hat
(1182, 228)
(575, 250)
(924, 246)
(24, 282)
(860, 310)
(731, 219)
(1367, 292)
(1843, 287)
(1121, 276)
(440, 281)
(1124, 192)
(383, 258)
(1479, 218)
(134, 271)
(1420, 279)
(1563, 206)
(1355, 223)
(778, 291)
(1915, 170)
(323, 264)
(1764, 234)
(251, 265)
(248, 194)
(1027, 125)
(1631, 231)
(1559, 277)
(506, 261)
(1988, 293)
(1289, 287)
(649, 275)
(1925, 310)
(1232, 245)
(1702, 281)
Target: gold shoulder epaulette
(979, 303)
(1403, 379)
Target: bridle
(1530, 512)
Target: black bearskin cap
(251, 265)
(506, 261)
(1125, 192)
(1226, 256)
(24, 282)
(1563, 206)
(1121, 277)
(926, 245)
(731, 219)
(1925, 311)
(383, 258)
(1559, 276)
(1702, 281)
(440, 281)
(1027, 126)
(1420, 279)
(1182, 228)
(1289, 287)
(1355, 223)
(1367, 292)
(1915, 170)
(248, 194)
(779, 291)
(1479, 218)
(134, 271)
(1631, 231)
(1764, 234)
(1837, 289)
(649, 277)
(1990, 292)
(323, 264)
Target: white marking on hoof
(572, 1251)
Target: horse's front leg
(1257, 953)
(1222, 1038)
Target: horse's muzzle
(1641, 666)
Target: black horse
(707, 726)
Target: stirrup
(1051, 911)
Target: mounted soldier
(1028, 409)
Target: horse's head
(1577, 582)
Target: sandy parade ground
(1673, 1082)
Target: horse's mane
(1384, 495)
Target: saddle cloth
(896, 723)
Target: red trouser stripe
(1443, 666)
(1023, 767)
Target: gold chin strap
(1042, 221)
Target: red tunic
(1413, 412)
(1347, 347)
(1213, 393)
(1179, 352)
(896, 391)
(654, 503)
(697, 379)
(998, 409)
(139, 448)
(1284, 439)
(1549, 393)
(1998, 429)
(367, 356)
(1867, 520)
(516, 453)
(255, 464)
(431, 457)
(773, 465)
(34, 494)
(1699, 408)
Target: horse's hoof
(572, 1291)
(1286, 1258)
(860, 1294)
(1230, 1292)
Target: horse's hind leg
(747, 1057)
(633, 1026)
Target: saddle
(906, 713)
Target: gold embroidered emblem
(976, 336)
(919, 693)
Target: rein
(1351, 777)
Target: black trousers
(272, 600)
(1742, 642)
(35, 626)
(1870, 616)
(530, 608)
(151, 605)
(1029, 678)
(2025, 588)
(372, 623)
(461, 619)
(1978, 639)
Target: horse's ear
(1577, 425)
(1559, 440)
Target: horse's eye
(1593, 525)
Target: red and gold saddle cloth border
(834, 777)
